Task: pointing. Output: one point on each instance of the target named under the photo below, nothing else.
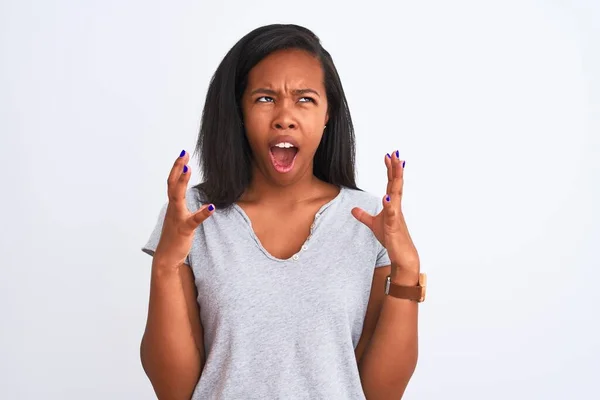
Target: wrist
(162, 268)
(405, 276)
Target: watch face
(423, 284)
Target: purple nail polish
(387, 198)
(397, 154)
(388, 155)
(182, 153)
(185, 169)
(211, 207)
(403, 164)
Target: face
(285, 113)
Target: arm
(172, 349)
(389, 357)
(388, 348)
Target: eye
(309, 99)
(267, 99)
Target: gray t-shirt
(282, 329)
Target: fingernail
(403, 164)
(185, 169)
(387, 198)
(182, 153)
(397, 154)
(388, 154)
(211, 207)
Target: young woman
(276, 277)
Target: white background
(494, 104)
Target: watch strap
(414, 293)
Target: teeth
(284, 145)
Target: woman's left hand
(389, 226)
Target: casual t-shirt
(282, 329)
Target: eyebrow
(295, 91)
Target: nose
(284, 125)
(284, 120)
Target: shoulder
(194, 198)
(365, 200)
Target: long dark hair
(225, 154)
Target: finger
(398, 178)
(181, 186)
(398, 170)
(388, 208)
(400, 166)
(363, 217)
(175, 186)
(390, 176)
(178, 166)
(198, 217)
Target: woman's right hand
(179, 224)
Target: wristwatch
(414, 293)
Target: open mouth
(283, 156)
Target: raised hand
(179, 225)
(389, 226)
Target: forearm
(391, 355)
(169, 353)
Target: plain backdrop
(495, 105)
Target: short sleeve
(152, 243)
(383, 260)
(150, 246)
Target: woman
(268, 277)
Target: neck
(266, 191)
